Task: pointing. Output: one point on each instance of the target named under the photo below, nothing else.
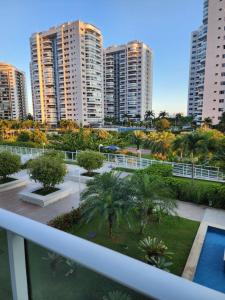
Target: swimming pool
(210, 270)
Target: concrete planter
(12, 185)
(27, 195)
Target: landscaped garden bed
(49, 170)
(9, 164)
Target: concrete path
(10, 200)
(190, 211)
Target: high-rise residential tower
(128, 81)
(207, 68)
(13, 102)
(67, 74)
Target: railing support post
(17, 266)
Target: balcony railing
(41, 262)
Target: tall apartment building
(207, 67)
(13, 102)
(67, 74)
(128, 80)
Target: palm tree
(107, 197)
(163, 114)
(207, 122)
(137, 137)
(160, 142)
(125, 118)
(152, 195)
(178, 117)
(194, 145)
(178, 145)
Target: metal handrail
(134, 274)
(133, 162)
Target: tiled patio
(10, 200)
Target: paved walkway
(201, 213)
(10, 200)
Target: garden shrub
(158, 169)
(199, 192)
(49, 171)
(67, 220)
(24, 136)
(54, 154)
(90, 160)
(9, 164)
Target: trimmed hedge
(199, 192)
(184, 189)
(66, 221)
(158, 169)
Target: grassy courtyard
(177, 233)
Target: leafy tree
(137, 137)
(29, 117)
(162, 124)
(221, 125)
(54, 154)
(24, 136)
(48, 171)
(107, 197)
(90, 160)
(68, 125)
(102, 134)
(39, 137)
(218, 159)
(160, 142)
(152, 197)
(9, 164)
(156, 252)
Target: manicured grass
(177, 233)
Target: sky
(164, 25)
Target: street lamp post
(99, 147)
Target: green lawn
(177, 233)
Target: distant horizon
(170, 26)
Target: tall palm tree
(207, 122)
(151, 194)
(107, 197)
(178, 117)
(178, 145)
(163, 114)
(149, 116)
(159, 142)
(137, 137)
(194, 145)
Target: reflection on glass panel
(5, 283)
(53, 277)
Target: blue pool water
(210, 269)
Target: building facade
(128, 81)
(67, 74)
(207, 65)
(13, 102)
